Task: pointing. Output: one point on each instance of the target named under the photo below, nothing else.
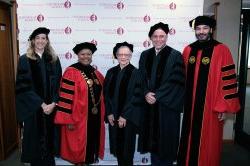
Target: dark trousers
(124, 161)
(126, 145)
(157, 161)
(49, 161)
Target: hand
(150, 98)
(48, 109)
(70, 126)
(44, 106)
(121, 122)
(111, 119)
(221, 116)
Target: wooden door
(8, 124)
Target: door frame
(241, 137)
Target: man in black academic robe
(164, 79)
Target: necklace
(90, 83)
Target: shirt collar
(39, 54)
(157, 51)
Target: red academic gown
(201, 140)
(73, 142)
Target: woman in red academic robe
(80, 109)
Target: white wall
(228, 27)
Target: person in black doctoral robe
(122, 90)
(37, 82)
(163, 75)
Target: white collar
(157, 51)
(40, 54)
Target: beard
(202, 37)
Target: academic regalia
(39, 30)
(122, 90)
(86, 142)
(202, 20)
(159, 25)
(37, 81)
(164, 75)
(211, 88)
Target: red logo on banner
(120, 31)
(67, 4)
(172, 31)
(40, 18)
(68, 55)
(93, 17)
(94, 42)
(146, 18)
(172, 6)
(146, 43)
(68, 30)
(120, 5)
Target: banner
(104, 23)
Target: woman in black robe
(122, 95)
(37, 82)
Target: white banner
(106, 22)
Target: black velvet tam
(118, 45)
(85, 45)
(159, 25)
(202, 20)
(40, 30)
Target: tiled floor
(232, 155)
(235, 155)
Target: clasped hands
(121, 121)
(48, 108)
(150, 98)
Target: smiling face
(85, 56)
(203, 33)
(40, 42)
(159, 39)
(123, 56)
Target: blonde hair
(48, 50)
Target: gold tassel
(193, 24)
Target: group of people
(70, 110)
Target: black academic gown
(122, 91)
(37, 81)
(164, 75)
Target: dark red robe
(211, 88)
(73, 109)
